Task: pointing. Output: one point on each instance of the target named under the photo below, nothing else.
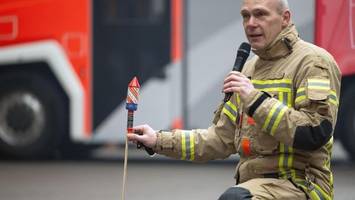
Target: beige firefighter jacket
(283, 129)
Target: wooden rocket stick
(131, 106)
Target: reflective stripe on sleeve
(273, 119)
(333, 98)
(318, 84)
(230, 110)
(187, 145)
(301, 96)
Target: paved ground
(101, 178)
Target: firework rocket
(132, 102)
(131, 106)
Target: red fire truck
(65, 66)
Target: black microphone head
(242, 56)
(244, 50)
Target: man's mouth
(255, 36)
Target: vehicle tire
(33, 115)
(346, 122)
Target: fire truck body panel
(336, 32)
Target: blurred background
(64, 70)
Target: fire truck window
(133, 12)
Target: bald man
(280, 119)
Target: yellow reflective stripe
(316, 193)
(267, 82)
(276, 89)
(300, 98)
(187, 145)
(333, 102)
(302, 89)
(289, 100)
(238, 100)
(230, 104)
(278, 120)
(329, 147)
(290, 162)
(192, 146)
(332, 92)
(281, 96)
(230, 110)
(284, 85)
(281, 161)
(183, 146)
(230, 115)
(333, 98)
(318, 87)
(300, 95)
(322, 194)
(312, 194)
(319, 81)
(318, 84)
(267, 121)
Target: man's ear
(286, 18)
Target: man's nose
(251, 22)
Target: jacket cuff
(164, 141)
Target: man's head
(263, 20)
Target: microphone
(242, 56)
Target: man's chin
(256, 46)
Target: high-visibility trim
(319, 81)
(312, 194)
(329, 147)
(278, 120)
(187, 146)
(288, 90)
(281, 160)
(318, 88)
(317, 193)
(301, 95)
(230, 110)
(183, 146)
(318, 84)
(287, 82)
(281, 97)
(286, 162)
(231, 105)
(229, 115)
(284, 85)
(268, 118)
(238, 99)
(274, 118)
(192, 147)
(333, 98)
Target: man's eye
(245, 17)
(259, 14)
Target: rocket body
(132, 102)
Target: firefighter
(280, 118)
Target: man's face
(263, 21)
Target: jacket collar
(282, 46)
